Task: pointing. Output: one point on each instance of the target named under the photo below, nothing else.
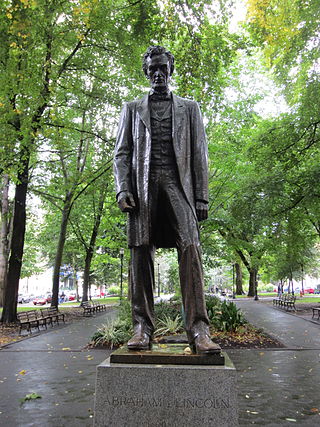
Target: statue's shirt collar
(157, 96)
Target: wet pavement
(279, 387)
(276, 387)
(57, 366)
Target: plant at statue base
(112, 334)
(213, 306)
(116, 332)
(168, 325)
(125, 310)
(168, 309)
(229, 318)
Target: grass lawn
(303, 300)
(109, 300)
(260, 294)
(267, 294)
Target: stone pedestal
(159, 395)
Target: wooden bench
(88, 309)
(30, 319)
(46, 315)
(23, 320)
(55, 315)
(316, 310)
(98, 306)
(103, 306)
(286, 301)
(280, 300)
(276, 301)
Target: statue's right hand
(126, 202)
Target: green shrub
(116, 332)
(213, 305)
(166, 309)
(167, 326)
(125, 310)
(112, 334)
(229, 318)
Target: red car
(40, 301)
(309, 291)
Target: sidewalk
(279, 387)
(56, 366)
(275, 387)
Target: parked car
(40, 301)
(309, 291)
(22, 299)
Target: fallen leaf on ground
(30, 396)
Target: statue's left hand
(201, 210)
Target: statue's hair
(157, 50)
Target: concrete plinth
(148, 395)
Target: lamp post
(121, 269)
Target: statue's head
(158, 66)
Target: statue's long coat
(132, 161)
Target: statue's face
(158, 72)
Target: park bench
(46, 315)
(286, 301)
(290, 302)
(55, 315)
(276, 301)
(88, 309)
(316, 310)
(30, 319)
(280, 300)
(98, 306)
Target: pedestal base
(149, 395)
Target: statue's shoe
(139, 341)
(203, 345)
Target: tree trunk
(252, 282)
(86, 276)
(90, 249)
(9, 312)
(239, 288)
(4, 236)
(75, 280)
(59, 253)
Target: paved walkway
(275, 387)
(279, 387)
(57, 366)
